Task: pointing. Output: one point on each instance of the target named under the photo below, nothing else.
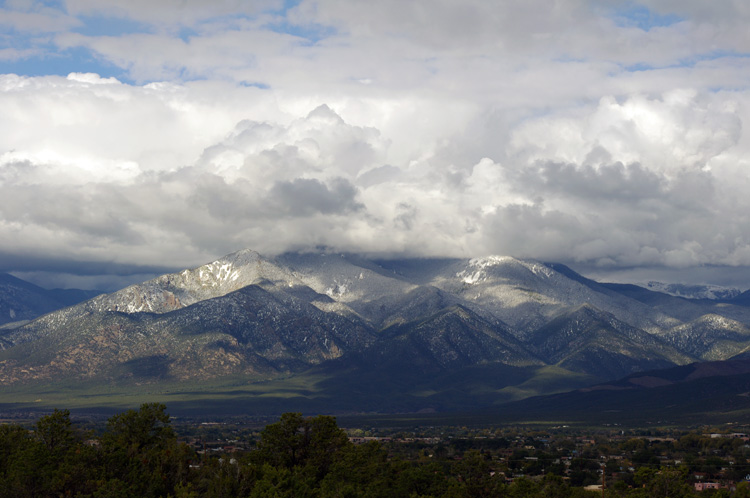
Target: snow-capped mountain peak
(215, 279)
(481, 269)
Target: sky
(139, 137)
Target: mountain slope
(21, 300)
(710, 337)
(451, 360)
(742, 299)
(452, 337)
(177, 290)
(527, 294)
(711, 292)
(251, 331)
(590, 341)
(360, 334)
(710, 392)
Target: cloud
(83, 120)
(675, 130)
(304, 197)
(635, 182)
(233, 195)
(608, 135)
(36, 18)
(569, 187)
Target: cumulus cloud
(608, 136)
(675, 130)
(619, 184)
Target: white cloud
(36, 18)
(623, 182)
(91, 123)
(677, 130)
(562, 131)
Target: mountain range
(21, 301)
(345, 333)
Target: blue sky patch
(311, 32)
(109, 26)
(76, 60)
(255, 84)
(642, 17)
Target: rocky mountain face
(251, 331)
(595, 342)
(709, 337)
(497, 324)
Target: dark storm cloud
(304, 197)
(606, 183)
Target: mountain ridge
(21, 301)
(344, 319)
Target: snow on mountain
(527, 294)
(694, 291)
(589, 340)
(245, 314)
(344, 278)
(523, 294)
(251, 332)
(710, 337)
(177, 290)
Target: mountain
(591, 341)
(741, 299)
(710, 337)
(251, 331)
(342, 332)
(695, 291)
(527, 294)
(21, 301)
(708, 392)
(177, 290)
(449, 360)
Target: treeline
(138, 455)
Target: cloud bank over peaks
(174, 175)
(654, 181)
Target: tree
(475, 472)
(136, 431)
(142, 454)
(282, 443)
(297, 441)
(55, 431)
(362, 470)
(743, 490)
(324, 441)
(18, 476)
(669, 483)
(50, 461)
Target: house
(702, 486)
